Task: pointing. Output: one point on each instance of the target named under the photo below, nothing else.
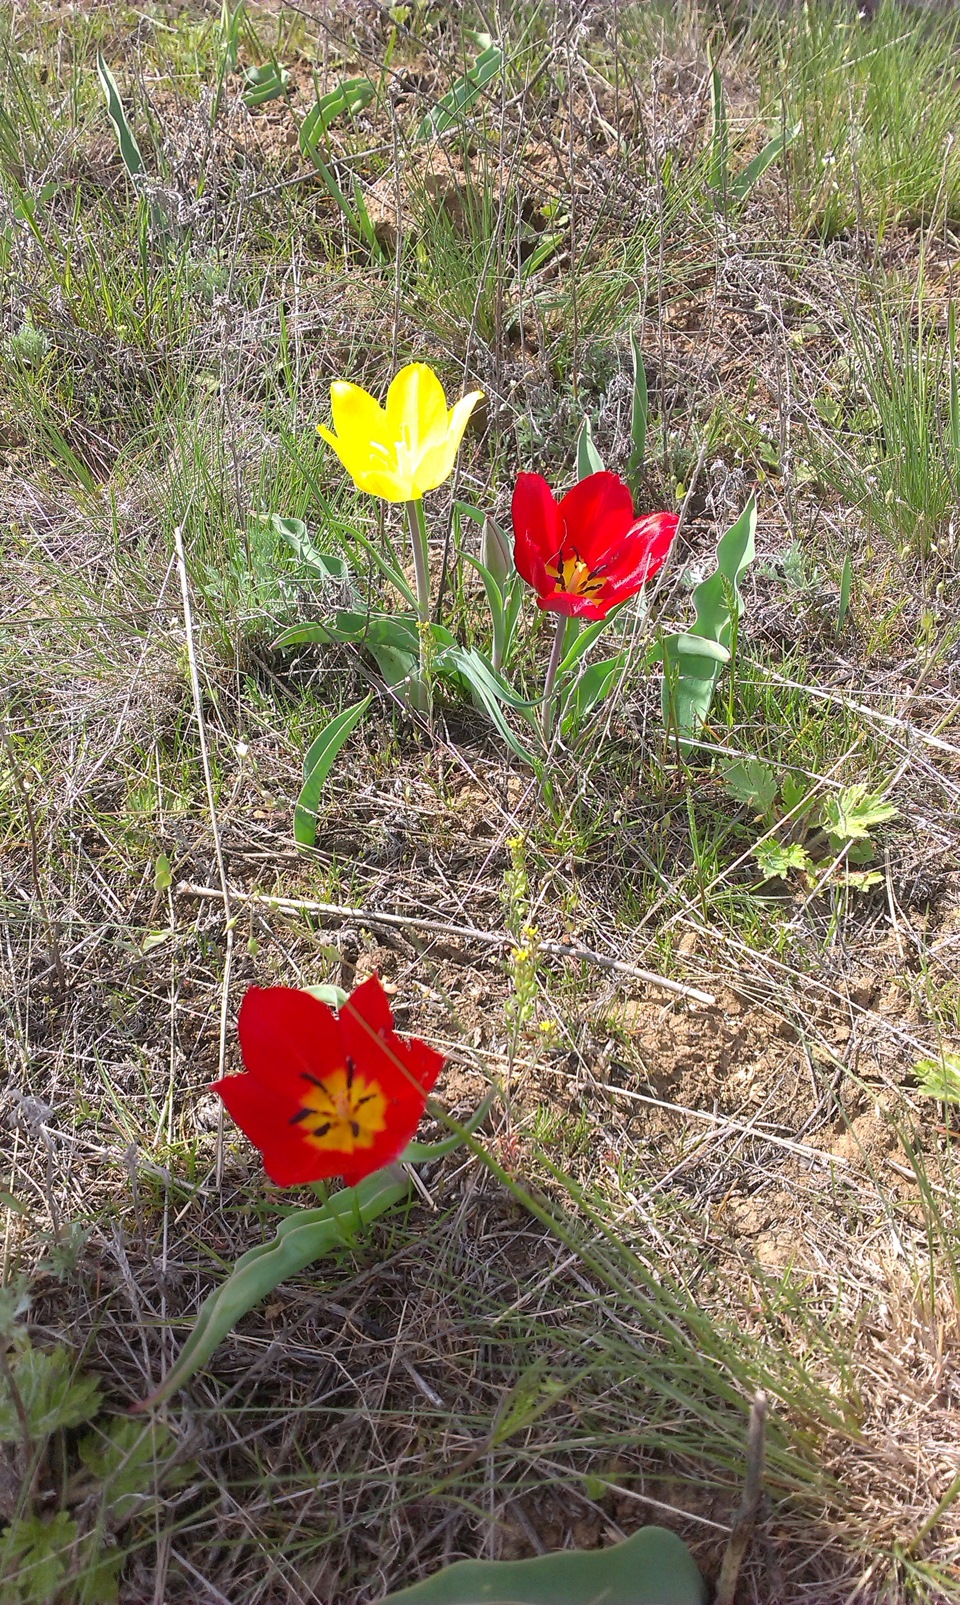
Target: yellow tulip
(399, 451)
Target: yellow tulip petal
(436, 464)
(416, 408)
(390, 486)
(358, 418)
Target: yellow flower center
(342, 1112)
(573, 576)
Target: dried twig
(467, 933)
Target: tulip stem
(417, 526)
(416, 523)
(556, 654)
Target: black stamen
(351, 1072)
(365, 1099)
(354, 1127)
(321, 1131)
(301, 1114)
(306, 1076)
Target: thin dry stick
(746, 1516)
(372, 917)
(218, 849)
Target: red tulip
(588, 552)
(326, 1094)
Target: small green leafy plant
(817, 838)
(78, 1492)
(939, 1078)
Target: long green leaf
(326, 564)
(639, 415)
(583, 640)
(846, 586)
(589, 460)
(717, 600)
(593, 685)
(744, 182)
(126, 139)
(422, 1153)
(461, 97)
(350, 97)
(317, 765)
(303, 1237)
(694, 659)
(487, 691)
(654, 1567)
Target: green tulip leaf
(326, 564)
(654, 1567)
(592, 686)
(589, 460)
(352, 96)
(744, 182)
(639, 415)
(693, 660)
(303, 1237)
(317, 765)
(126, 138)
(465, 91)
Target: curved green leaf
(488, 690)
(693, 660)
(744, 182)
(303, 1237)
(654, 1567)
(351, 96)
(421, 1153)
(717, 599)
(589, 460)
(126, 139)
(333, 996)
(317, 765)
(326, 564)
(590, 688)
(465, 91)
(639, 415)
(691, 668)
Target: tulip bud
(495, 553)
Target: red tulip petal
(261, 1114)
(296, 1164)
(577, 607)
(640, 555)
(596, 513)
(286, 1034)
(657, 530)
(394, 1063)
(423, 1061)
(366, 1022)
(537, 530)
(370, 1002)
